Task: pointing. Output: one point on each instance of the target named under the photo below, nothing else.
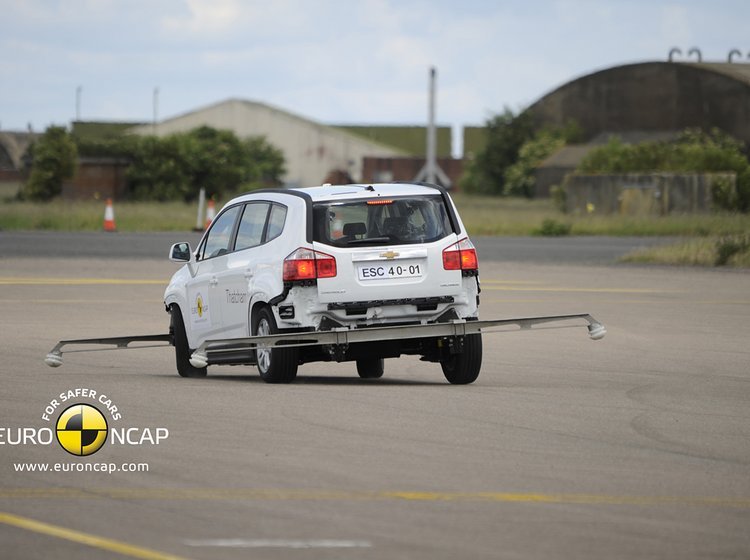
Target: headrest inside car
(355, 228)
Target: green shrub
(694, 151)
(519, 177)
(553, 228)
(559, 198)
(728, 247)
(506, 133)
(53, 159)
(177, 166)
(723, 194)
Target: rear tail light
(306, 264)
(460, 256)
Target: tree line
(173, 167)
(177, 166)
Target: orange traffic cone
(109, 217)
(210, 212)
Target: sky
(333, 61)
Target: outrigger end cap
(198, 360)
(597, 331)
(54, 359)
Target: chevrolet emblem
(390, 254)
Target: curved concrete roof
(739, 72)
(653, 96)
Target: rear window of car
(376, 221)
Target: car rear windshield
(377, 221)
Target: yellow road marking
(84, 538)
(11, 281)
(220, 494)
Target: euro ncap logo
(81, 430)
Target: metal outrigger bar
(55, 356)
(343, 336)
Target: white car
(332, 273)
(322, 259)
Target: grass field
(504, 216)
(481, 215)
(732, 251)
(89, 216)
(706, 233)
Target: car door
(236, 280)
(203, 290)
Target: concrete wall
(657, 194)
(311, 150)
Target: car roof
(325, 193)
(364, 190)
(340, 192)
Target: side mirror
(180, 252)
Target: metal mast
(431, 135)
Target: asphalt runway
(636, 446)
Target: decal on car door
(200, 312)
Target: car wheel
(371, 368)
(275, 365)
(463, 368)
(182, 350)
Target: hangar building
(312, 150)
(640, 102)
(653, 97)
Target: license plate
(386, 270)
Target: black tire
(463, 368)
(182, 351)
(275, 365)
(371, 368)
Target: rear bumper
(355, 308)
(302, 309)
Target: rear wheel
(275, 365)
(463, 368)
(181, 348)
(370, 368)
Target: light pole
(79, 89)
(156, 108)
(431, 165)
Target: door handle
(248, 274)
(214, 281)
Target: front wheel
(463, 368)
(182, 349)
(275, 365)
